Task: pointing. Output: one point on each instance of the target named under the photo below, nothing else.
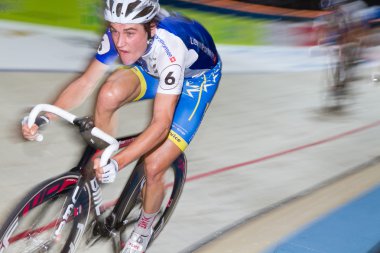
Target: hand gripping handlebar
(106, 155)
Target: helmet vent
(144, 12)
(109, 5)
(131, 11)
(131, 7)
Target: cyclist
(344, 29)
(165, 57)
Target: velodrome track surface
(264, 142)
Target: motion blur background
(231, 22)
(267, 139)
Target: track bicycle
(66, 211)
(343, 60)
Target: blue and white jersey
(181, 48)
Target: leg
(156, 164)
(187, 117)
(121, 87)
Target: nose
(120, 41)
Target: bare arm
(81, 88)
(74, 94)
(155, 133)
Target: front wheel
(45, 221)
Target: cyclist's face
(130, 41)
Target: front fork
(68, 212)
(103, 226)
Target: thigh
(148, 84)
(196, 96)
(122, 86)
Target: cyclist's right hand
(108, 173)
(31, 133)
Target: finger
(29, 134)
(96, 163)
(99, 170)
(30, 137)
(25, 129)
(98, 177)
(32, 130)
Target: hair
(148, 26)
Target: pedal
(97, 231)
(91, 241)
(92, 235)
(96, 238)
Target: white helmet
(131, 11)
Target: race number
(105, 45)
(170, 77)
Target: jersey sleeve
(107, 52)
(171, 65)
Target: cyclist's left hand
(108, 173)
(31, 133)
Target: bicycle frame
(80, 186)
(87, 177)
(104, 226)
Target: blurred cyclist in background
(344, 30)
(345, 23)
(353, 26)
(166, 57)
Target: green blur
(83, 14)
(228, 29)
(87, 15)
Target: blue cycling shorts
(196, 96)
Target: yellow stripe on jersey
(177, 140)
(142, 83)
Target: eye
(129, 33)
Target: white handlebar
(113, 147)
(49, 108)
(114, 144)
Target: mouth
(121, 51)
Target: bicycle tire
(30, 225)
(333, 79)
(340, 74)
(126, 215)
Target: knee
(154, 172)
(122, 86)
(108, 98)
